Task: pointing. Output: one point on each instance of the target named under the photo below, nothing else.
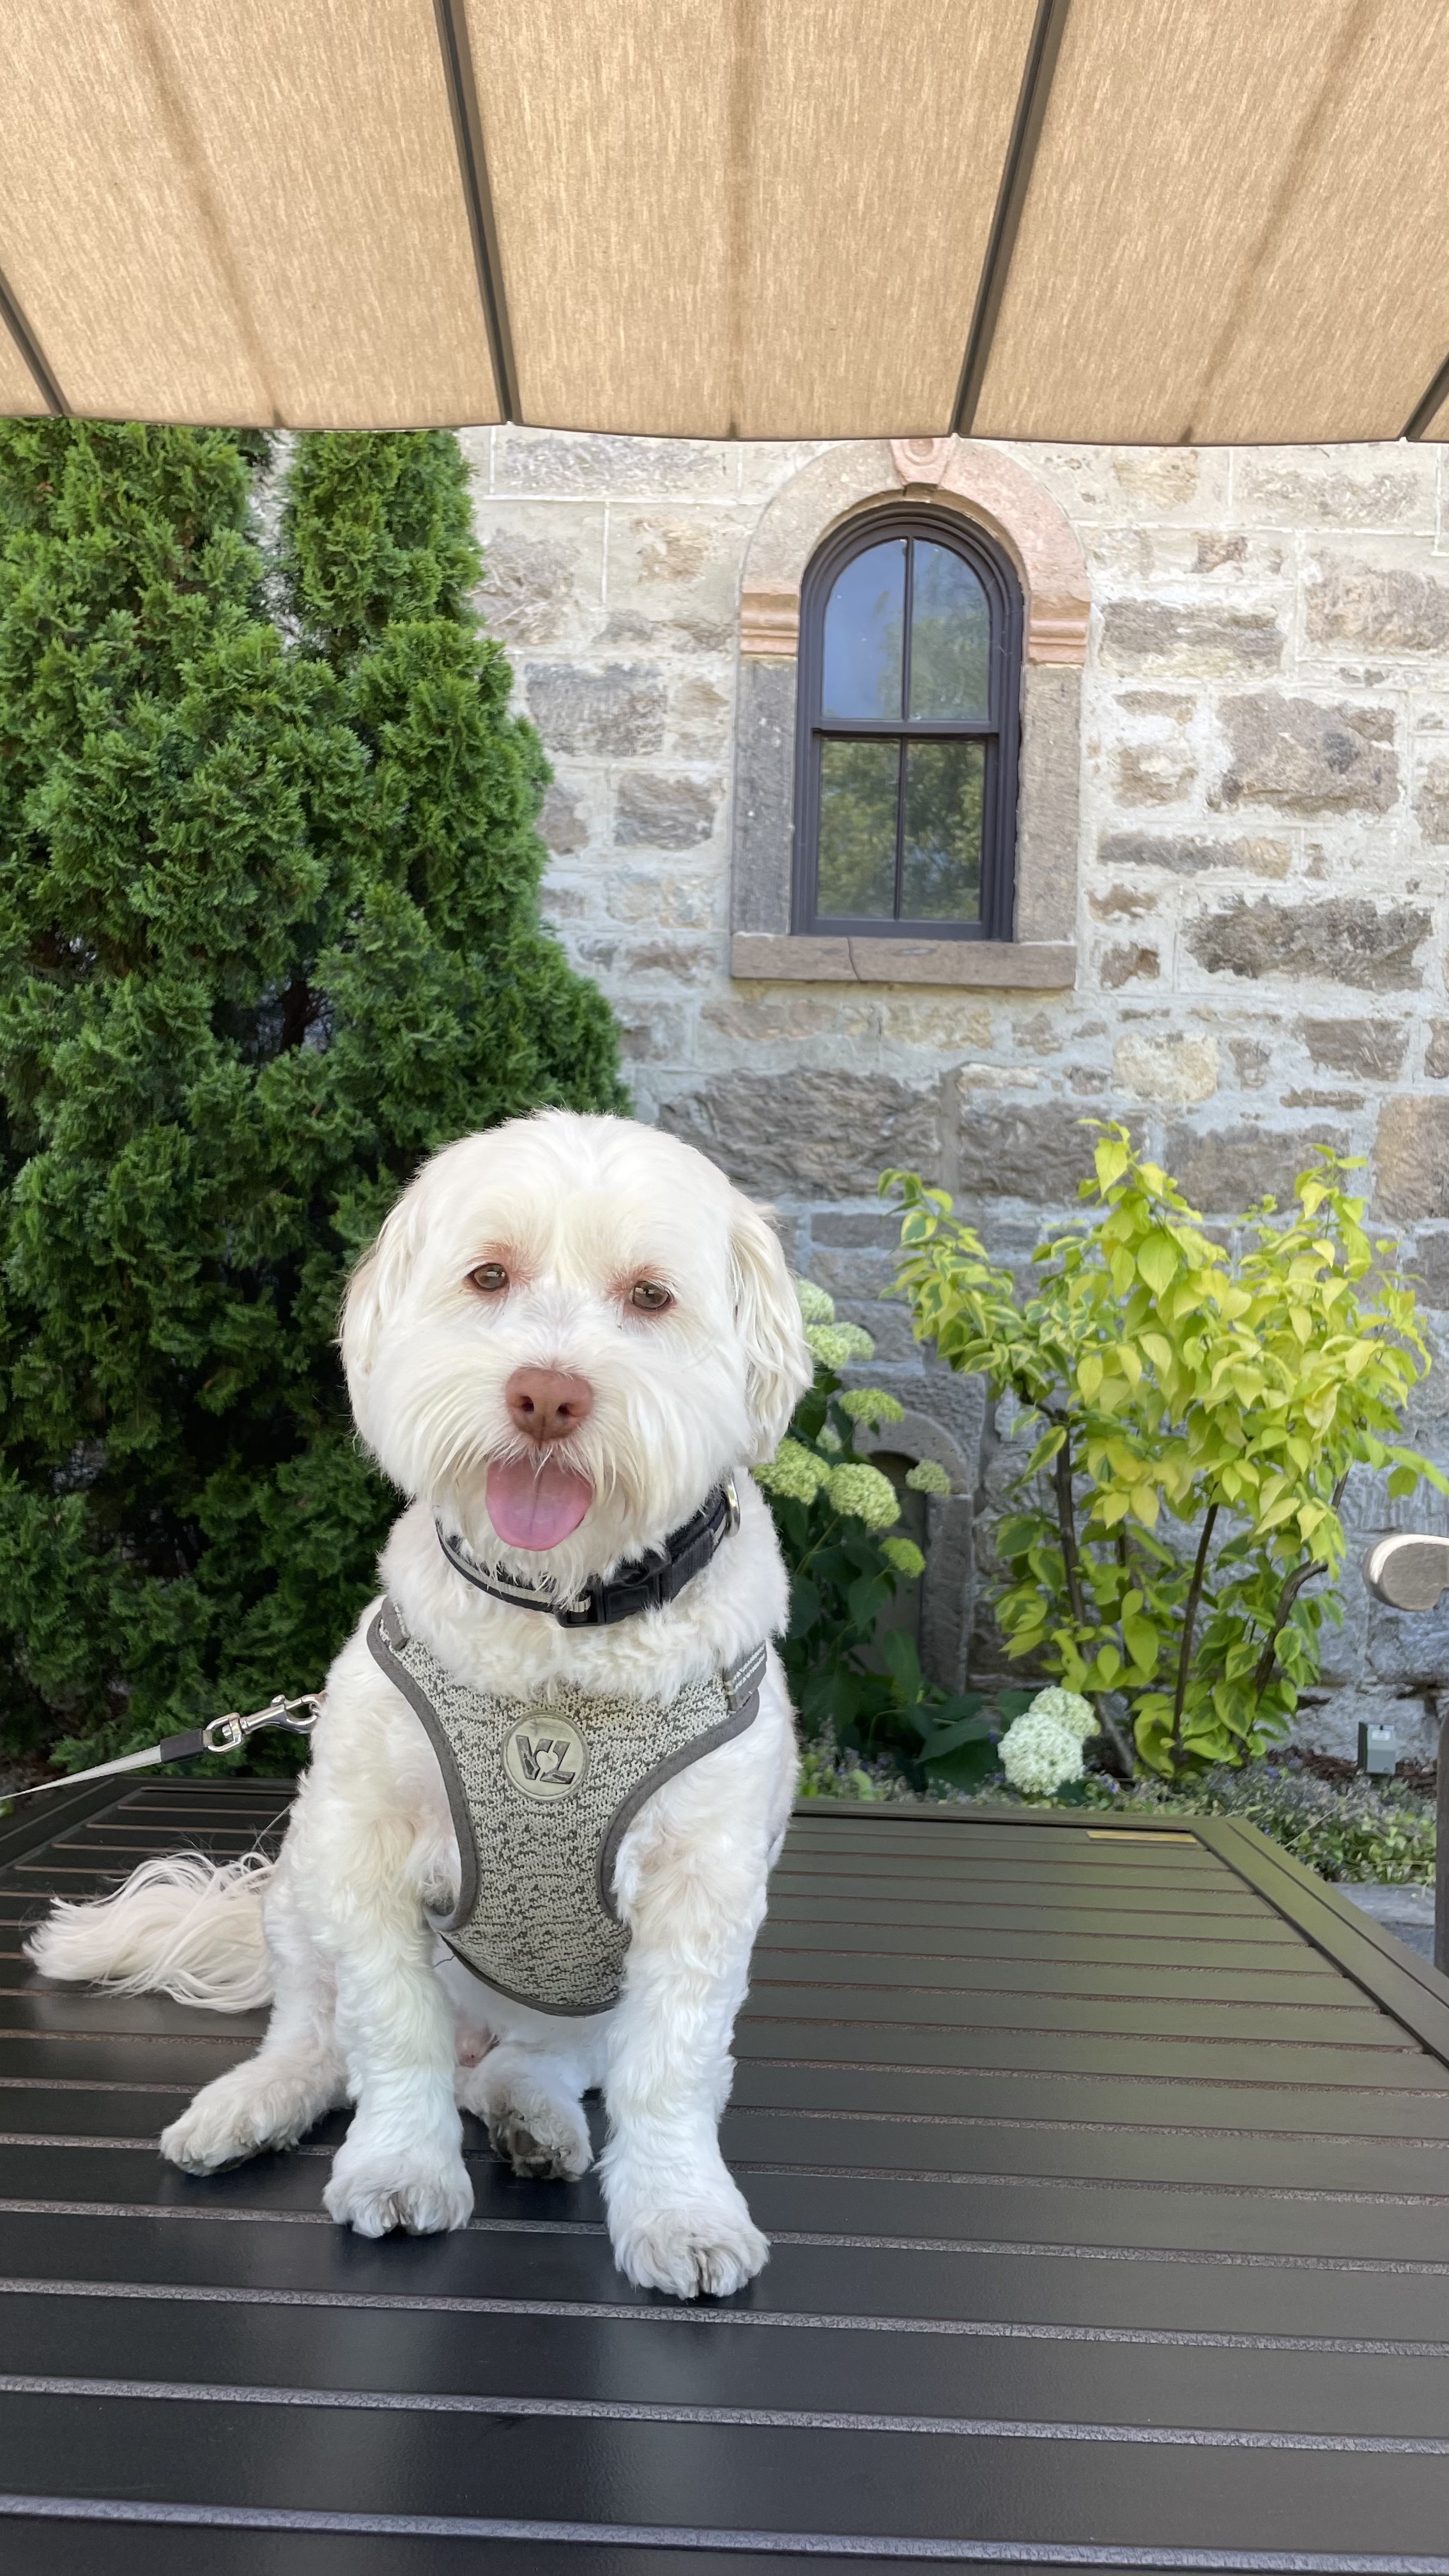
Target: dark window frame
(1000, 732)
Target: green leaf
(1157, 1261)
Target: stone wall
(1262, 881)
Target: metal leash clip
(228, 1734)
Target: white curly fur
(576, 1209)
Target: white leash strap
(223, 1735)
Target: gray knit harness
(546, 1790)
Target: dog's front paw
(243, 2113)
(700, 2249)
(375, 2189)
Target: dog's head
(568, 1331)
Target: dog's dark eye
(488, 1278)
(651, 1295)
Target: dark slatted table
(1108, 2178)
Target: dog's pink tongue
(536, 1503)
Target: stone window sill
(1024, 965)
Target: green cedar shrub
(268, 935)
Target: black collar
(645, 1583)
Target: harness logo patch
(545, 1757)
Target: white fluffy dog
(568, 1334)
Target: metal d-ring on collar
(645, 1583)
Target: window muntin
(906, 760)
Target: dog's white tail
(181, 1926)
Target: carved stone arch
(989, 487)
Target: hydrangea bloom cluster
(928, 1477)
(838, 1344)
(795, 1473)
(871, 1404)
(863, 1492)
(1042, 1750)
(904, 1555)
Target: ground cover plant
(1360, 1830)
(1196, 1413)
(268, 934)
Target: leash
(223, 1735)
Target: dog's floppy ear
(778, 1365)
(372, 1291)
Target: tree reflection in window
(906, 778)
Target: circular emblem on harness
(545, 1757)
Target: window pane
(864, 625)
(859, 782)
(950, 636)
(941, 877)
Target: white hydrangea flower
(904, 1555)
(863, 1492)
(816, 1305)
(1066, 1708)
(838, 1344)
(830, 1440)
(928, 1477)
(795, 1473)
(871, 1404)
(1039, 1756)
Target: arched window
(910, 684)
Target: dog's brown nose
(548, 1404)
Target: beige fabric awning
(1145, 220)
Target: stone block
(1154, 773)
(1252, 1059)
(1309, 758)
(1048, 802)
(764, 796)
(699, 721)
(684, 961)
(564, 462)
(1154, 635)
(1411, 1157)
(679, 569)
(809, 1134)
(1427, 1265)
(655, 812)
(1189, 854)
(1431, 803)
(1165, 1066)
(1226, 1170)
(529, 587)
(1032, 1150)
(610, 713)
(1377, 609)
(1335, 487)
(562, 821)
(755, 1017)
(652, 1033)
(877, 1231)
(868, 1271)
(889, 1328)
(1436, 1053)
(1343, 940)
(1123, 903)
(1128, 964)
(1373, 1048)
